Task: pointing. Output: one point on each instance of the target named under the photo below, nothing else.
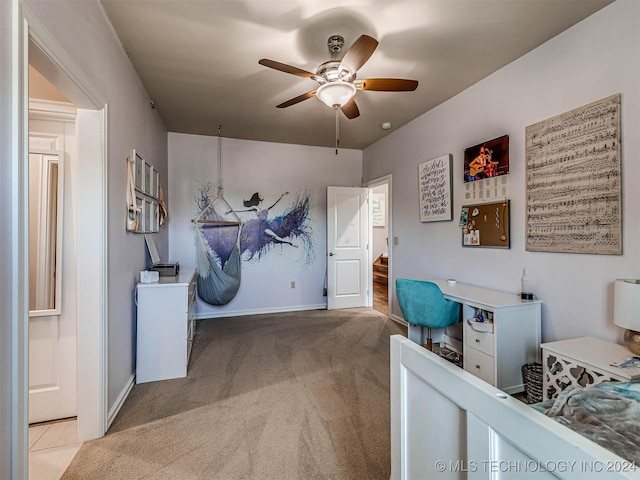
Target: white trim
(260, 311)
(50, 46)
(23, 243)
(386, 180)
(113, 411)
(398, 319)
(92, 281)
(49, 110)
(16, 458)
(91, 239)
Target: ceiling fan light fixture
(336, 94)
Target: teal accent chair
(423, 304)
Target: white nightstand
(583, 361)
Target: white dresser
(166, 326)
(496, 350)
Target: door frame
(385, 180)
(91, 240)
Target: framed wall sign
(378, 209)
(435, 189)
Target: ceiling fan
(337, 78)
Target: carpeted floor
(300, 395)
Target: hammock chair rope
(218, 285)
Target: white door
(347, 247)
(52, 317)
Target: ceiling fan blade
(386, 84)
(283, 67)
(358, 54)
(297, 99)
(350, 109)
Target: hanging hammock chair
(217, 283)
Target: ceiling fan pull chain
(219, 160)
(337, 128)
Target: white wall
(84, 33)
(270, 169)
(593, 60)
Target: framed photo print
(138, 172)
(147, 214)
(140, 202)
(147, 178)
(153, 218)
(487, 159)
(435, 189)
(154, 183)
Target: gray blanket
(604, 415)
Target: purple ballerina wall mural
(269, 221)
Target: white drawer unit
(166, 326)
(479, 336)
(495, 350)
(480, 364)
(583, 362)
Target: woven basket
(532, 377)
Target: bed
(448, 424)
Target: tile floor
(52, 446)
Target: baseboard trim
(111, 416)
(260, 311)
(398, 319)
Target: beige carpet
(301, 395)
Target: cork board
(486, 225)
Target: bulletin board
(486, 225)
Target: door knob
(331, 254)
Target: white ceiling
(199, 59)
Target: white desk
(496, 353)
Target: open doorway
(52, 254)
(380, 199)
(83, 270)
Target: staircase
(381, 270)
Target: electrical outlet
(293, 284)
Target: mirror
(46, 178)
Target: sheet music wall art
(573, 181)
